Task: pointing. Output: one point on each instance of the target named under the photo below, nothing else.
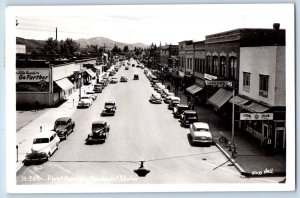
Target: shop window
(246, 81)
(263, 85)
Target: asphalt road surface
(140, 131)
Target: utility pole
(232, 132)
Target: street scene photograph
(171, 97)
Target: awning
(238, 100)
(255, 107)
(193, 89)
(220, 97)
(64, 84)
(90, 72)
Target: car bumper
(201, 141)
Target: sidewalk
(251, 159)
(29, 125)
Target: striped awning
(64, 84)
(220, 97)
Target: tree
(126, 49)
(51, 47)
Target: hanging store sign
(32, 80)
(256, 116)
(216, 83)
(210, 77)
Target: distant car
(132, 65)
(123, 79)
(100, 130)
(174, 101)
(85, 101)
(188, 117)
(200, 132)
(169, 98)
(63, 127)
(113, 80)
(44, 145)
(126, 68)
(135, 76)
(109, 109)
(98, 88)
(155, 98)
(91, 94)
(179, 109)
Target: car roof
(190, 112)
(99, 122)
(182, 105)
(109, 102)
(201, 125)
(62, 119)
(45, 134)
(174, 98)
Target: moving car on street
(100, 130)
(91, 94)
(135, 76)
(199, 132)
(44, 145)
(63, 127)
(155, 98)
(85, 101)
(109, 109)
(179, 109)
(113, 80)
(123, 79)
(188, 117)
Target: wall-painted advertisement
(33, 80)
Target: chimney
(276, 26)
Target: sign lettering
(256, 116)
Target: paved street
(140, 131)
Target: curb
(19, 167)
(236, 165)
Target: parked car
(109, 109)
(169, 98)
(85, 101)
(199, 132)
(98, 88)
(160, 88)
(156, 85)
(188, 117)
(179, 109)
(123, 79)
(135, 76)
(154, 82)
(91, 94)
(173, 102)
(43, 146)
(113, 80)
(63, 127)
(155, 98)
(100, 130)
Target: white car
(199, 132)
(168, 99)
(44, 145)
(85, 101)
(160, 88)
(156, 85)
(91, 94)
(155, 98)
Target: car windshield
(40, 140)
(97, 126)
(89, 93)
(109, 104)
(59, 123)
(85, 97)
(191, 115)
(201, 129)
(97, 85)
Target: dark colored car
(179, 109)
(188, 117)
(98, 88)
(154, 81)
(100, 131)
(123, 79)
(109, 109)
(135, 77)
(173, 103)
(64, 126)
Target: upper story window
(246, 81)
(223, 66)
(215, 65)
(233, 67)
(263, 85)
(209, 67)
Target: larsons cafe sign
(32, 80)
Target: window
(233, 67)
(209, 68)
(246, 81)
(215, 65)
(223, 66)
(263, 85)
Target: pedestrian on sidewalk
(37, 105)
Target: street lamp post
(232, 132)
(79, 77)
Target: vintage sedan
(44, 145)
(109, 109)
(64, 126)
(199, 132)
(100, 130)
(85, 101)
(155, 98)
(174, 101)
(113, 80)
(179, 109)
(98, 88)
(123, 79)
(188, 117)
(91, 94)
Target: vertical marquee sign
(33, 80)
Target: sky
(165, 24)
